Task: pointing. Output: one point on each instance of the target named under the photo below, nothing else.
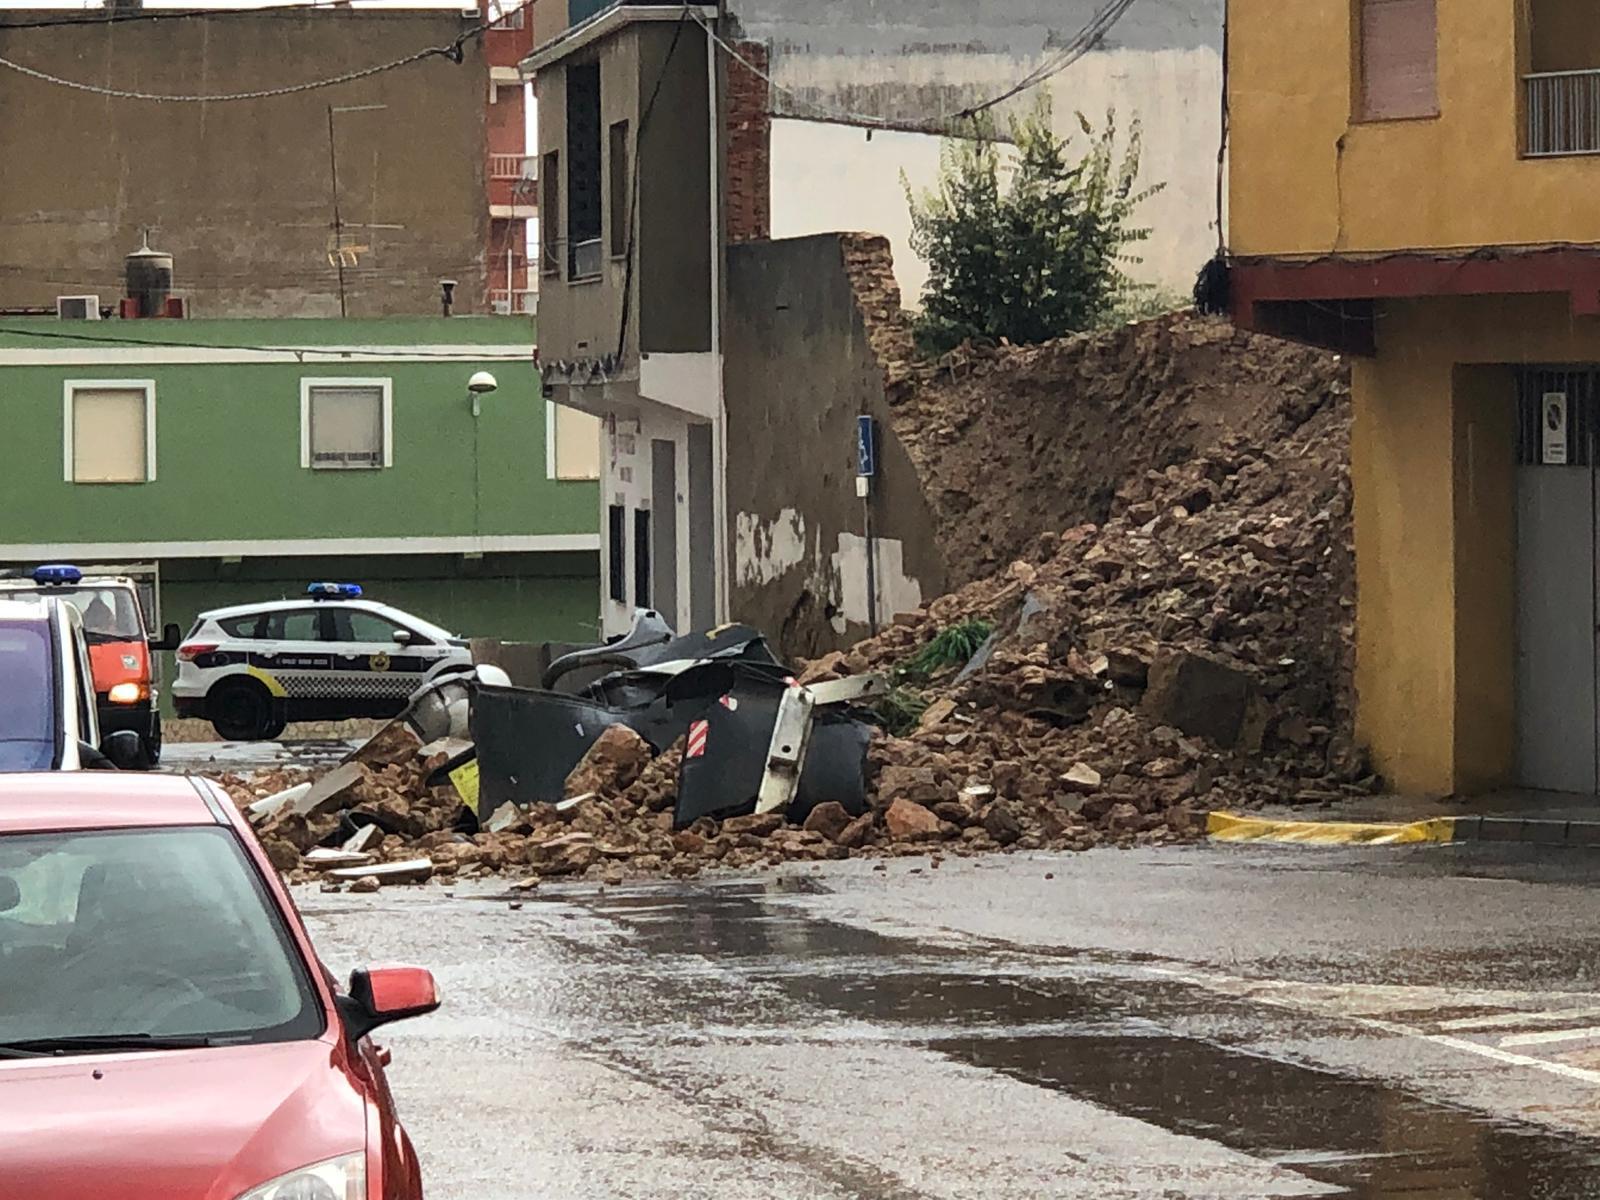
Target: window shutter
(347, 427)
(577, 444)
(1399, 59)
(108, 436)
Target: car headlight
(127, 693)
(337, 1179)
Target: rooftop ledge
(605, 23)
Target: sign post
(866, 472)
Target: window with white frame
(346, 424)
(573, 443)
(109, 430)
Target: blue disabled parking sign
(866, 447)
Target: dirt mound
(1013, 442)
(1194, 650)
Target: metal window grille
(1563, 113)
(1579, 391)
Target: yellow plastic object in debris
(1224, 827)
(465, 779)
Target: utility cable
(109, 16)
(1085, 40)
(466, 355)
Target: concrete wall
(1306, 179)
(668, 295)
(1433, 463)
(913, 64)
(829, 176)
(1017, 27)
(240, 193)
(673, 273)
(801, 366)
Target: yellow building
(1416, 183)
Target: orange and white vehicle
(121, 645)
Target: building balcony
(514, 184)
(510, 36)
(1563, 109)
(518, 167)
(523, 301)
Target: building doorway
(1557, 623)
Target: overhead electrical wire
(453, 52)
(1081, 43)
(467, 354)
(111, 16)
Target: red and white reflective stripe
(698, 733)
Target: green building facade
(245, 457)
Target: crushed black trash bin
(720, 690)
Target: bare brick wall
(869, 266)
(749, 172)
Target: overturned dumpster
(754, 740)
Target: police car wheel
(240, 711)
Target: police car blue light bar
(334, 591)
(57, 573)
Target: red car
(166, 1029)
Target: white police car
(253, 668)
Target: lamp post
(479, 386)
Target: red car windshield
(158, 934)
(28, 733)
(110, 614)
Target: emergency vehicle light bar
(333, 591)
(59, 573)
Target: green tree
(1023, 242)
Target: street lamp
(480, 385)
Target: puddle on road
(1374, 1140)
(1112, 1042)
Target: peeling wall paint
(765, 551)
(897, 591)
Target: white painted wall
(625, 479)
(831, 177)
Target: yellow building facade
(1416, 183)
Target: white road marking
(1291, 995)
(1519, 1019)
(1588, 1033)
(1581, 1074)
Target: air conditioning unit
(78, 308)
(502, 307)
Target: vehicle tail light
(193, 650)
(128, 693)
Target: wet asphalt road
(1205, 1022)
(247, 758)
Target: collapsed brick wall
(869, 265)
(748, 187)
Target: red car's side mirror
(379, 995)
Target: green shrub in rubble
(1024, 243)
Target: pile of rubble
(1189, 652)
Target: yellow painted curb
(1225, 827)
